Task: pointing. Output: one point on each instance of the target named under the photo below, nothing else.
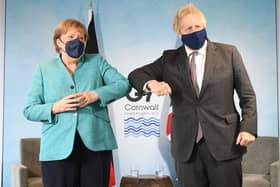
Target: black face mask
(74, 48)
(195, 40)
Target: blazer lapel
(64, 72)
(184, 70)
(210, 64)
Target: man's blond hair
(182, 12)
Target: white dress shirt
(199, 61)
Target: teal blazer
(52, 82)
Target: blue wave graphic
(129, 129)
(137, 127)
(141, 118)
(142, 134)
(142, 124)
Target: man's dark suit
(214, 109)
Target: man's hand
(245, 138)
(159, 88)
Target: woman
(69, 96)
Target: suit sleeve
(35, 107)
(247, 97)
(115, 84)
(140, 76)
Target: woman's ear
(59, 43)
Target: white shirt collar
(201, 51)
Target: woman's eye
(69, 36)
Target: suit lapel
(184, 70)
(210, 64)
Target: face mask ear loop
(61, 41)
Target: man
(208, 135)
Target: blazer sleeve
(115, 84)
(247, 97)
(140, 76)
(35, 108)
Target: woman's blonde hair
(182, 12)
(63, 27)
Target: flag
(92, 47)
(112, 180)
(169, 123)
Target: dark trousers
(202, 170)
(83, 168)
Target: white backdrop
(2, 36)
(140, 129)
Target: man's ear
(179, 36)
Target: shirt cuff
(146, 89)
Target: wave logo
(142, 127)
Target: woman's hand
(85, 98)
(68, 103)
(74, 101)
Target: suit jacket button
(72, 87)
